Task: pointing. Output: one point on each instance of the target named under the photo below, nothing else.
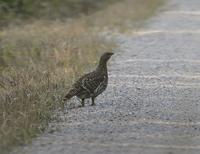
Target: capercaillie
(92, 84)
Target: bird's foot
(62, 106)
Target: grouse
(92, 84)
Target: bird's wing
(91, 81)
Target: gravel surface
(152, 104)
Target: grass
(39, 61)
(39, 70)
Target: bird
(91, 84)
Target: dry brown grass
(40, 60)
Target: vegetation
(40, 59)
(18, 10)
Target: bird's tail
(69, 95)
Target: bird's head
(106, 56)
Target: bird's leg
(83, 102)
(93, 101)
(62, 106)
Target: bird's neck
(102, 67)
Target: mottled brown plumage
(91, 84)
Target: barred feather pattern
(92, 84)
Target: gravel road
(152, 104)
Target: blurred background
(16, 10)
